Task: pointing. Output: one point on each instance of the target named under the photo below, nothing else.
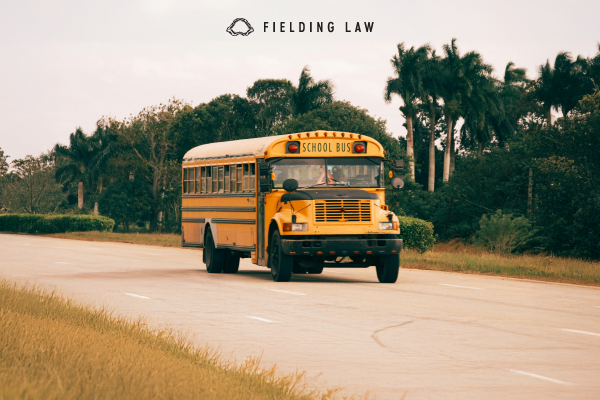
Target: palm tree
(75, 160)
(453, 87)
(408, 68)
(311, 95)
(571, 81)
(430, 97)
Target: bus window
(185, 178)
(226, 178)
(197, 185)
(191, 180)
(232, 169)
(202, 176)
(239, 178)
(245, 177)
(208, 179)
(252, 181)
(220, 179)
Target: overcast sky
(67, 63)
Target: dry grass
(51, 348)
(151, 239)
(455, 256)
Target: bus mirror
(398, 166)
(265, 178)
(397, 183)
(264, 168)
(290, 185)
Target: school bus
(293, 203)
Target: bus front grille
(343, 211)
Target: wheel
(281, 264)
(214, 258)
(387, 268)
(232, 263)
(315, 270)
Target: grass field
(468, 259)
(51, 348)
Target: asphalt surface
(432, 335)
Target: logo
(240, 26)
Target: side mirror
(397, 183)
(290, 185)
(398, 166)
(264, 173)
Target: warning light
(391, 174)
(293, 148)
(360, 148)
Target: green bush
(50, 223)
(501, 233)
(416, 234)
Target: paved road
(431, 335)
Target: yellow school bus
(293, 203)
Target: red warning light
(292, 148)
(360, 148)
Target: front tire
(281, 264)
(214, 258)
(387, 268)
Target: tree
(127, 202)
(311, 95)
(407, 83)
(272, 100)
(31, 187)
(429, 98)
(74, 161)
(3, 163)
(148, 137)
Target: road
(431, 335)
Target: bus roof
(258, 147)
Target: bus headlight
(388, 226)
(291, 227)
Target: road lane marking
(584, 332)
(260, 319)
(137, 295)
(540, 377)
(285, 291)
(596, 306)
(464, 287)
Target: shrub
(501, 233)
(40, 223)
(416, 233)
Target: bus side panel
(239, 235)
(191, 233)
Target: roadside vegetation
(457, 257)
(150, 239)
(52, 348)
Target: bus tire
(315, 270)
(387, 268)
(280, 263)
(215, 258)
(232, 263)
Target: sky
(65, 64)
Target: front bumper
(341, 247)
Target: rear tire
(232, 263)
(387, 268)
(214, 258)
(315, 270)
(281, 264)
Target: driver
(339, 176)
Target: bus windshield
(329, 172)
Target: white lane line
(584, 332)
(540, 377)
(61, 262)
(137, 295)
(260, 319)
(464, 287)
(596, 306)
(285, 291)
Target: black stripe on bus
(236, 247)
(220, 209)
(200, 220)
(216, 195)
(234, 221)
(190, 244)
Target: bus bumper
(341, 247)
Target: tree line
(476, 143)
